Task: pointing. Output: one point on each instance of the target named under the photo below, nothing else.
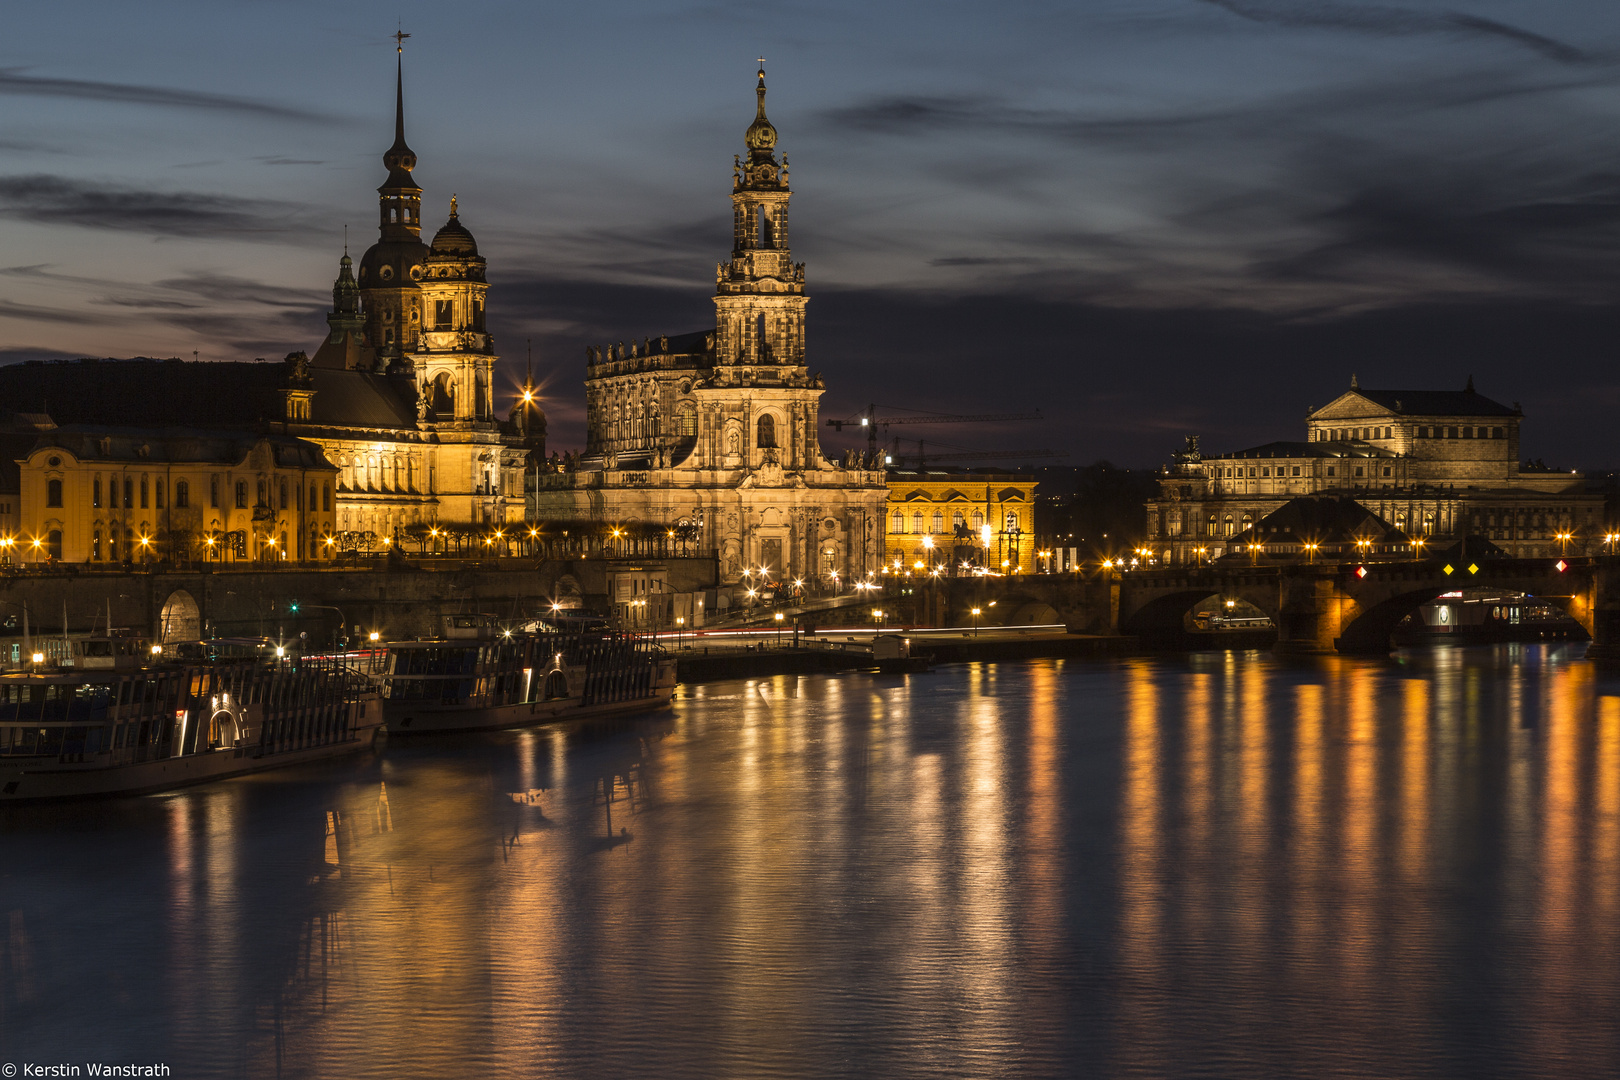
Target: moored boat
(126, 721)
(478, 676)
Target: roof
(362, 399)
(1466, 402)
(156, 394)
(1317, 520)
(1336, 448)
(97, 442)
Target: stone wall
(399, 601)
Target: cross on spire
(399, 37)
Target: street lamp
(1417, 548)
(976, 613)
(1311, 547)
(680, 625)
(1563, 541)
(779, 618)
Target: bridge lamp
(1312, 548)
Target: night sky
(1149, 218)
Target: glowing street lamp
(1311, 547)
(976, 612)
(1417, 548)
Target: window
(1386, 470)
(939, 522)
(53, 544)
(314, 499)
(1332, 471)
(767, 430)
(686, 419)
(1012, 521)
(182, 494)
(159, 490)
(112, 544)
(213, 491)
(95, 545)
(53, 493)
(978, 521)
(284, 494)
(326, 496)
(241, 495)
(1358, 470)
(443, 314)
(478, 315)
(917, 522)
(95, 493)
(129, 493)
(145, 493)
(897, 522)
(1296, 470)
(260, 500)
(957, 521)
(1496, 433)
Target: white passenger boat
(478, 677)
(125, 721)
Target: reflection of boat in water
(477, 677)
(124, 721)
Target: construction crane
(871, 421)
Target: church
(715, 431)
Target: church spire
(401, 195)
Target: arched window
(1012, 521)
(284, 494)
(957, 521)
(917, 522)
(182, 494)
(326, 496)
(95, 493)
(158, 490)
(112, 543)
(686, 419)
(978, 521)
(53, 544)
(95, 545)
(939, 522)
(53, 493)
(241, 495)
(897, 523)
(767, 431)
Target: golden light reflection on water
(1151, 867)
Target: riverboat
(124, 720)
(478, 677)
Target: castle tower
(345, 346)
(759, 295)
(391, 268)
(455, 356)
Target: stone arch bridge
(1325, 608)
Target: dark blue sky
(1149, 219)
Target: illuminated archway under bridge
(1354, 608)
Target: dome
(388, 264)
(453, 238)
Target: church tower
(345, 346)
(391, 268)
(455, 356)
(759, 295)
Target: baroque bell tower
(759, 295)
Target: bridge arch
(180, 619)
(1162, 616)
(1368, 627)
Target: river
(1217, 864)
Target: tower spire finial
(453, 211)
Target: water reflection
(1214, 865)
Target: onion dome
(761, 134)
(453, 238)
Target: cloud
(60, 200)
(35, 313)
(14, 81)
(1385, 21)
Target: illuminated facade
(717, 430)
(933, 512)
(102, 495)
(1432, 464)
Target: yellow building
(90, 494)
(945, 517)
